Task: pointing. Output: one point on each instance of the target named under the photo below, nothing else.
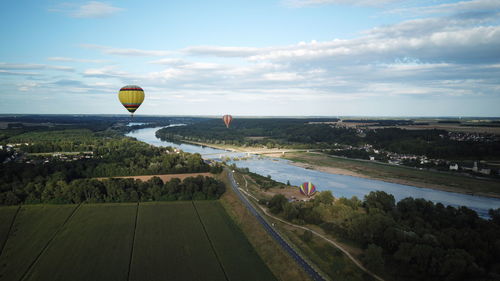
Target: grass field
(170, 244)
(7, 213)
(33, 228)
(231, 246)
(126, 241)
(403, 175)
(94, 245)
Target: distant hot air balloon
(131, 97)
(308, 189)
(227, 119)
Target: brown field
(164, 178)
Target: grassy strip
(279, 262)
(403, 175)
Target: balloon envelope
(227, 119)
(308, 189)
(131, 97)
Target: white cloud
(128, 52)
(65, 59)
(455, 45)
(91, 9)
(105, 72)
(168, 61)
(222, 51)
(304, 3)
(16, 73)
(461, 7)
(282, 76)
(28, 66)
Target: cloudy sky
(259, 57)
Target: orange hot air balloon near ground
(131, 97)
(227, 119)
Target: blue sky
(283, 57)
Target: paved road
(307, 267)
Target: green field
(231, 246)
(149, 241)
(33, 228)
(7, 213)
(94, 245)
(171, 245)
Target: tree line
(112, 155)
(413, 239)
(117, 190)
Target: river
(340, 185)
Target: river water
(340, 185)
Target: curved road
(300, 261)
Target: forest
(313, 133)
(117, 190)
(32, 176)
(412, 239)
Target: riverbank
(396, 174)
(377, 171)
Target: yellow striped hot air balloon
(131, 97)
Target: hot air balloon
(308, 189)
(131, 97)
(227, 119)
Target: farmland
(99, 237)
(178, 250)
(33, 228)
(226, 238)
(127, 241)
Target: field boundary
(133, 242)
(10, 229)
(210, 241)
(26, 273)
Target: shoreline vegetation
(375, 171)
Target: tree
(495, 215)
(290, 211)
(373, 258)
(324, 197)
(277, 203)
(380, 200)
